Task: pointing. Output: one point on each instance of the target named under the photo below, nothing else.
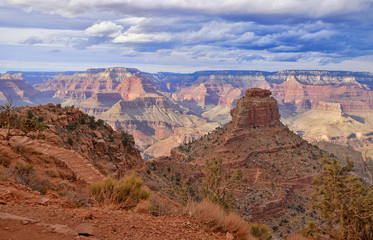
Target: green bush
(125, 193)
(40, 119)
(127, 139)
(100, 122)
(28, 125)
(30, 115)
(70, 141)
(92, 122)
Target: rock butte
(256, 109)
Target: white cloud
(17, 36)
(105, 28)
(129, 37)
(302, 8)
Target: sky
(186, 35)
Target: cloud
(311, 9)
(32, 40)
(194, 32)
(104, 28)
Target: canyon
(164, 110)
(77, 150)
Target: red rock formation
(136, 86)
(354, 97)
(256, 109)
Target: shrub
(125, 193)
(58, 105)
(25, 174)
(92, 123)
(261, 231)
(30, 115)
(29, 125)
(5, 160)
(70, 141)
(73, 127)
(127, 139)
(215, 218)
(40, 119)
(159, 207)
(100, 122)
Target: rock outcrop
(256, 109)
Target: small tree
(343, 202)
(7, 118)
(218, 183)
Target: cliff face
(93, 80)
(256, 109)
(353, 95)
(14, 85)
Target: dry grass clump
(143, 206)
(25, 174)
(159, 206)
(125, 193)
(296, 237)
(216, 219)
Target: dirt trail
(27, 215)
(257, 175)
(82, 168)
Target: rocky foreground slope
(44, 176)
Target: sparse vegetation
(218, 183)
(18, 125)
(125, 193)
